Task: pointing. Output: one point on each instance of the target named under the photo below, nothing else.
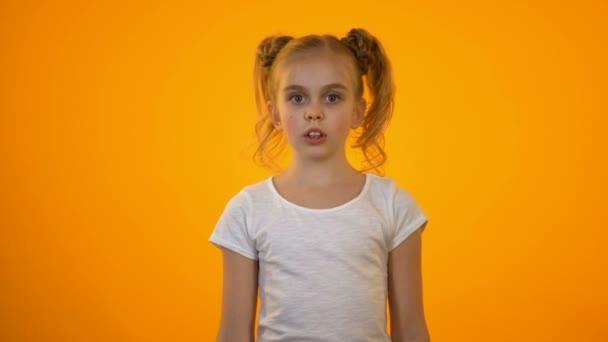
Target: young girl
(325, 244)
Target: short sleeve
(232, 230)
(408, 217)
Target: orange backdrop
(121, 134)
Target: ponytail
(269, 145)
(376, 68)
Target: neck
(321, 172)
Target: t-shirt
(322, 272)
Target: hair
(370, 62)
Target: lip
(314, 130)
(315, 140)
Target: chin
(318, 156)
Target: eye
(297, 98)
(333, 98)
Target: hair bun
(361, 43)
(269, 48)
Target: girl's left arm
(405, 291)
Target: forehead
(316, 69)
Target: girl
(325, 244)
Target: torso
(322, 258)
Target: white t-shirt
(322, 272)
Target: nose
(314, 113)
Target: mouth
(314, 133)
(314, 136)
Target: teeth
(314, 134)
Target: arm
(239, 298)
(405, 291)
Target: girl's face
(316, 104)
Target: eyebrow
(326, 87)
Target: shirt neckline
(276, 193)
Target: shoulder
(259, 192)
(394, 197)
(387, 188)
(250, 194)
(242, 206)
(382, 183)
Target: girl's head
(357, 63)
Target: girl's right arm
(239, 298)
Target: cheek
(292, 122)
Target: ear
(359, 114)
(274, 116)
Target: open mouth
(314, 133)
(314, 136)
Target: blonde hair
(371, 63)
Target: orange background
(121, 135)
